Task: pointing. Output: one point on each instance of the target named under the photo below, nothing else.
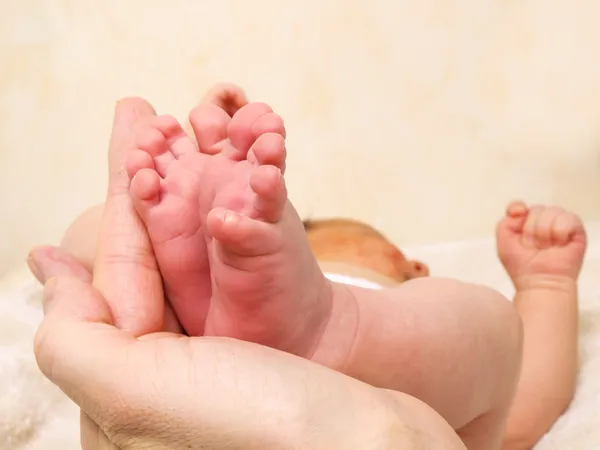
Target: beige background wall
(421, 117)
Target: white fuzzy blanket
(36, 416)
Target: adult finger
(125, 270)
(46, 262)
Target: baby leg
(77, 250)
(455, 346)
(81, 238)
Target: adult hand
(125, 270)
(168, 391)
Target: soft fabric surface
(36, 416)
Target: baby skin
(236, 263)
(542, 249)
(229, 245)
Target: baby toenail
(229, 217)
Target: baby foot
(540, 246)
(165, 192)
(224, 205)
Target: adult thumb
(47, 261)
(78, 348)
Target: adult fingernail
(47, 262)
(34, 268)
(230, 217)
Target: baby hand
(540, 244)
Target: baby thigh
(453, 345)
(81, 238)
